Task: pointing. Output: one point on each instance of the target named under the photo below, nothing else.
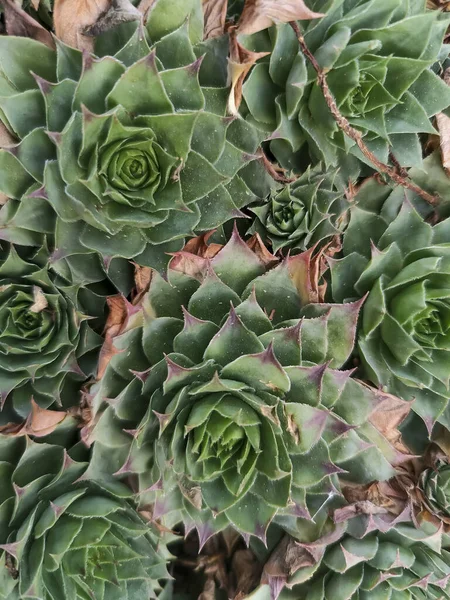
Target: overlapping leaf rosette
(377, 56)
(131, 146)
(65, 536)
(403, 562)
(49, 340)
(404, 339)
(226, 398)
(301, 214)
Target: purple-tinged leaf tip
(162, 418)
(126, 468)
(194, 68)
(55, 137)
(58, 510)
(141, 375)
(43, 84)
(204, 532)
(11, 548)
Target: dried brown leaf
(76, 21)
(142, 279)
(261, 14)
(240, 62)
(6, 137)
(40, 301)
(115, 324)
(39, 423)
(209, 590)
(120, 11)
(256, 244)
(20, 23)
(145, 5)
(215, 14)
(247, 572)
(389, 414)
(71, 17)
(189, 264)
(200, 247)
(443, 126)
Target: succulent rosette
(48, 344)
(434, 484)
(299, 215)
(377, 56)
(227, 399)
(63, 536)
(404, 562)
(404, 336)
(130, 147)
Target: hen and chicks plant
(253, 381)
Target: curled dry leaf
(256, 244)
(209, 589)
(290, 556)
(40, 301)
(200, 247)
(144, 6)
(215, 14)
(142, 279)
(261, 14)
(119, 11)
(20, 23)
(240, 62)
(247, 572)
(72, 17)
(443, 126)
(6, 140)
(120, 319)
(76, 20)
(39, 423)
(306, 270)
(390, 413)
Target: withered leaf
(6, 138)
(200, 247)
(20, 23)
(40, 301)
(240, 62)
(76, 21)
(119, 11)
(145, 5)
(72, 17)
(389, 414)
(39, 423)
(261, 14)
(215, 13)
(247, 571)
(142, 279)
(443, 125)
(256, 244)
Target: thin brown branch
(277, 173)
(353, 133)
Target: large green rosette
(228, 400)
(304, 213)
(49, 334)
(404, 335)
(65, 536)
(378, 57)
(130, 147)
(403, 563)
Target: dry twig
(353, 133)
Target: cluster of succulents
(224, 300)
